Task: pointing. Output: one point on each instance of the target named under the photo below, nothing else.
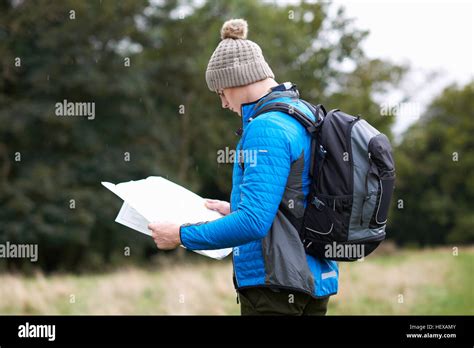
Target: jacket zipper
(235, 276)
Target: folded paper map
(156, 199)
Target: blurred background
(407, 68)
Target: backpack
(352, 180)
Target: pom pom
(234, 29)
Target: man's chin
(237, 112)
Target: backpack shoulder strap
(310, 125)
(297, 114)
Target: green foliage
(435, 167)
(138, 107)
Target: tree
(143, 66)
(52, 166)
(435, 167)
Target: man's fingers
(155, 226)
(154, 234)
(212, 203)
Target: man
(272, 272)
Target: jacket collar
(247, 110)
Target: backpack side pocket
(382, 158)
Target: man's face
(231, 98)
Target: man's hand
(219, 206)
(165, 234)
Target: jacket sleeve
(262, 189)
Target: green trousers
(266, 301)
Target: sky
(434, 37)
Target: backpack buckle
(318, 203)
(239, 132)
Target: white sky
(435, 37)
(430, 36)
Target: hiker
(272, 273)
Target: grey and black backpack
(354, 175)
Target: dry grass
(397, 286)
(431, 281)
(428, 281)
(184, 289)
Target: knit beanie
(236, 61)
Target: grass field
(428, 281)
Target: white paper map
(156, 199)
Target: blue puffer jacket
(270, 182)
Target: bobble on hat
(234, 29)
